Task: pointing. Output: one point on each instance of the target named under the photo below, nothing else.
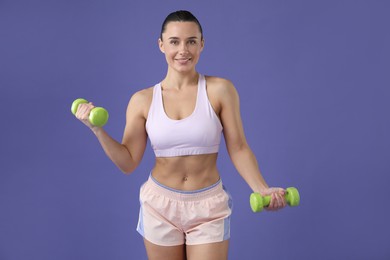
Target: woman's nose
(183, 48)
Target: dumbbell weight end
(98, 116)
(76, 104)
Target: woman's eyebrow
(177, 38)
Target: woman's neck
(177, 80)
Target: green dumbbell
(258, 202)
(98, 115)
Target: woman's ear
(160, 45)
(202, 45)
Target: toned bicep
(134, 136)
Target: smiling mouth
(183, 59)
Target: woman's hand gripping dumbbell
(97, 116)
(258, 202)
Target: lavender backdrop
(313, 77)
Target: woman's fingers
(83, 112)
(277, 199)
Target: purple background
(313, 77)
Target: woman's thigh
(211, 251)
(156, 252)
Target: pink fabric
(199, 133)
(170, 217)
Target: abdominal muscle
(187, 173)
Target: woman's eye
(174, 42)
(192, 42)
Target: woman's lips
(183, 60)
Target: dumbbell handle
(258, 202)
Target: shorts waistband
(185, 195)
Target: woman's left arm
(239, 151)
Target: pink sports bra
(199, 133)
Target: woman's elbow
(128, 164)
(128, 168)
(237, 147)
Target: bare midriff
(187, 173)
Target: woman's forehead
(182, 29)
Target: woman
(185, 209)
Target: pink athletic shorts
(170, 217)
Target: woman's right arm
(128, 154)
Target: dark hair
(180, 16)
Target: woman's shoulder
(142, 96)
(141, 100)
(219, 85)
(218, 81)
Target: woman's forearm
(117, 152)
(246, 164)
